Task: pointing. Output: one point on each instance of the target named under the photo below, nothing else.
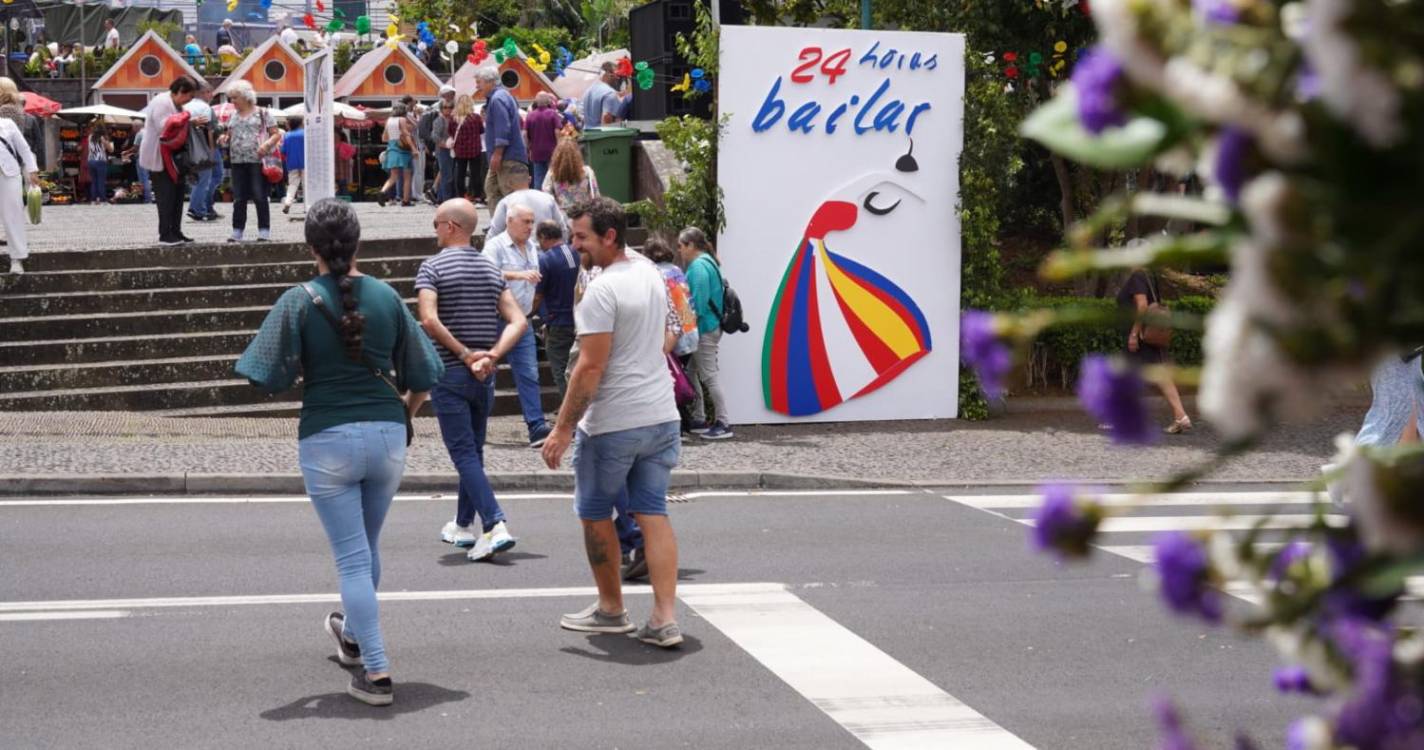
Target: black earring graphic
(907, 162)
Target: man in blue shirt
(294, 154)
(558, 275)
(504, 139)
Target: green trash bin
(610, 152)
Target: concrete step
(122, 348)
(203, 256)
(161, 277)
(192, 398)
(148, 323)
(140, 300)
(156, 372)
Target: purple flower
(1112, 391)
(1293, 680)
(1382, 711)
(1182, 567)
(1217, 11)
(1097, 77)
(982, 349)
(1063, 524)
(1289, 555)
(1342, 599)
(1233, 147)
(1169, 723)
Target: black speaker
(653, 30)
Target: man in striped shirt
(462, 295)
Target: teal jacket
(704, 278)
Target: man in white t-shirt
(620, 396)
(111, 34)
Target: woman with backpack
(366, 368)
(1133, 300)
(704, 278)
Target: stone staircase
(158, 329)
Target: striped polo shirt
(468, 286)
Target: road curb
(193, 483)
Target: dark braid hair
(334, 232)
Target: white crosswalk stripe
(1185, 511)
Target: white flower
(1359, 94)
(1248, 382)
(1281, 135)
(1381, 528)
(1117, 31)
(1311, 733)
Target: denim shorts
(639, 461)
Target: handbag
(682, 391)
(336, 326)
(1156, 335)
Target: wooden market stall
(523, 81)
(275, 71)
(142, 73)
(376, 80)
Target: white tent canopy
(581, 74)
(106, 112)
(343, 110)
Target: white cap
(447, 89)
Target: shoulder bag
(1156, 322)
(336, 326)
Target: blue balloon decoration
(266, 5)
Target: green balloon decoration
(335, 25)
(510, 49)
(363, 25)
(644, 75)
(499, 56)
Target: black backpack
(197, 153)
(425, 128)
(731, 312)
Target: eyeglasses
(438, 222)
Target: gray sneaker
(667, 636)
(593, 620)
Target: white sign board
(840, 167)
(320, 127)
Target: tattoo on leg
(593, 544)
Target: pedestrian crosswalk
(1135, 518)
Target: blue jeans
(524, 363)
(446, 190)
(463, 405)
(200, 201)
(98, 181)
(538, 169)
(352, 472)
(147, 186)
(634, 465)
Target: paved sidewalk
(1017, 448)
(110, 227)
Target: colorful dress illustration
(826, 298)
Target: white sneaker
(16, 267)
(491, 543)
(460, 536)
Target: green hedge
(1059, 350)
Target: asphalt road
(903, 619)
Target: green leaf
(1056, 126)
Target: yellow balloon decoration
(686, 84)
(231, 6)
(544, 56)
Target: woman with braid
(366, 368)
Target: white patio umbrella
(343, 111)
(106, 112)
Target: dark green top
(297, 338)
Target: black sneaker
(197, 217)
(348, 653)
(369, 691)
(636, 565)
(540, 434)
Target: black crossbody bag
(336, 326)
